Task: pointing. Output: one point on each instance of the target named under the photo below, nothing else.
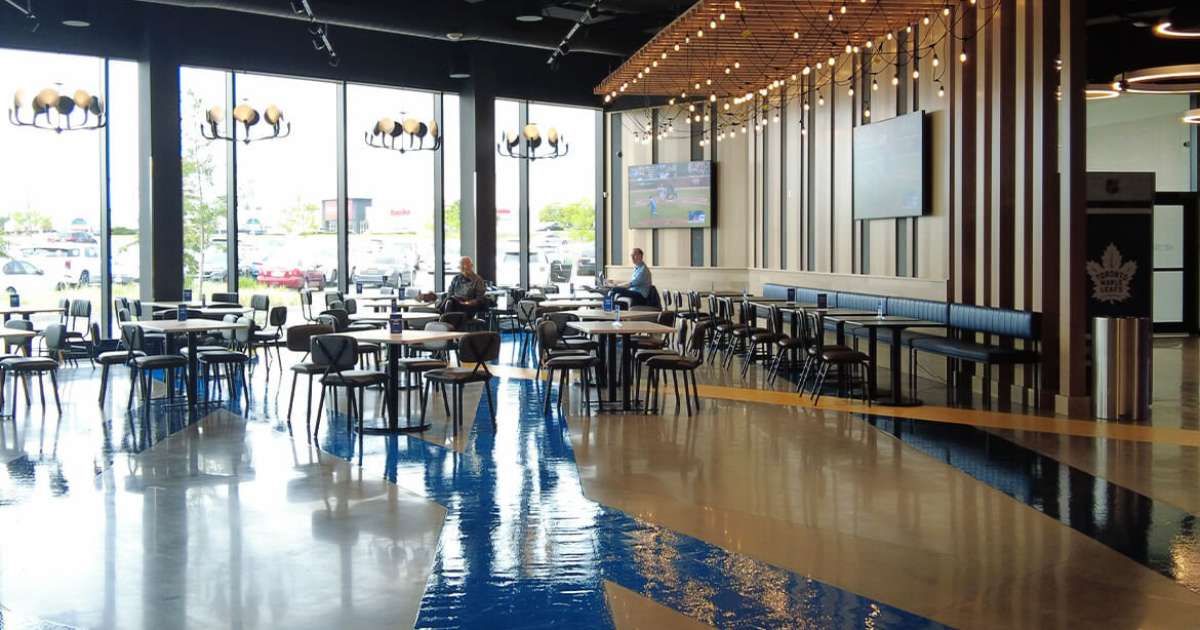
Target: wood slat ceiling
(769, 39)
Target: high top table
(26, 311)
(395, 342)
(192, 328)
(873, 323)
(625, 330)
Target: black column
(343, 193)
(478, 150)
(523, 199)
(161, 211)
(231, 190)
(439, 200)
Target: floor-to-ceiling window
(205, 168)
(52, 200)
(124, 184)
(562, 204)
(508, 199)
(390, 193)
(287, 190)
(452, 186)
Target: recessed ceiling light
(530, 12)
(529, 17)
(76, 23)
(454, 36)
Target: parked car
(66, 264)
(282, 273)
(22, 277)
(509, 271)
(379, 271)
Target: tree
(578, 218)
(302, 218)
(28, 221)
(202, 215)
(453, 217)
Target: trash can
(1121, 350)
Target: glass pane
(508, 226)
(391, 193)
(50, 200)
(1168, 296)
(205, 167)
(287, 192)
(124, 173)
(1168, 236)
(452, 187)
(562, 204)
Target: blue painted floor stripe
(523, 547)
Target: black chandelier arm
(532, 155)
(63, 122)
(414, 143)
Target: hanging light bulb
(925, 20)
(866, 113)
(795, 34)
(726, 69)
(895, 80)
(697, 86)
(820, 100)
(737, 64)
(775, 118)
(806, 106)
(842, 10)
(830, 16)
(916, 74)
(850, 91)
(962, 57)
(721, 17)
(889, 37)
(726, 106)
(941, 91)
(936, 62)
(945, 10)
(691, 107)
(712, 98)
(869, 44)
(831, 60)
(671, 102)
(676, 47)
(874, 85)
(848, 48)
(807, 70)
(712, 24)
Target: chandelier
(58, 112)
(247, 117)
(410, 132)
(510, 144)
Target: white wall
(1140, 133)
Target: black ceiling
(1119, 31)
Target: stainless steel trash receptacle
(1121, 350)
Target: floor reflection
(522, 546)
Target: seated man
(638, 287)
(467, 292)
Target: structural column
(161, 178)
(1071, 318)
(478, 150)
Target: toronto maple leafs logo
(1110, 277)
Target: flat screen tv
(671, 195)
(891, 168)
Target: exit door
(1176, 301)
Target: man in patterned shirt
(467, 290)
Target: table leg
(192, 368)
(611, 361)
(391, 389)
(872, 347)
(626, 372)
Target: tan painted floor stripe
(934, 413)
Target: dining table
(601, 315)
(26, 311)
(385, 317)
(610, 331)
(895, 325)
(385, 302)
(395, 344)
(193, 328)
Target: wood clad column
(1071, 318)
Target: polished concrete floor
(759, 511)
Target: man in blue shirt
(638, 287)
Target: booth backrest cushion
(995, 321)
(927, 310)
(863, 301)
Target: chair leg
(585, 376)
(292, 397)
(133, 381)
(546, 394)
(487, 390)
(103, 382)
(320, 408)
(54, 384)
(424, 398)
(42, 390)
(824, 371)
(675, 380)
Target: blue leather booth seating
(965, 323)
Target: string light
(737, 64)
(820, 100)
(936, 62)
(842, 10)
(962, 57)
(874, 85)
(850, 90)
(916, 74)
(941, 91)
(925, 20)
(726, 69)
(895, 80)
(796, 35)
(721, 17)
(866, 113)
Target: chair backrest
(652, 298)
(526, 311)
(666, 318)
(560, 319)
(299, 338)
(694, 345)
(693, 301)
(133, 337)
(123, 315)
(436, 346)
(325, 319)
(810, 329)
(278, 316)
(56, 337)
(351, 305)
(242, 335)
(225, 298)
(65, 305)
(135, 309)
(340, 317)
(334, 352)
(94, 335)
(81, 309)
(774, 320)
(479, 347)
(336, 305)
(455, 320)
(547, 337)
(260, 302)
(19, 324)
(331, 297)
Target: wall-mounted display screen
(891, 168)
(673, 195)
